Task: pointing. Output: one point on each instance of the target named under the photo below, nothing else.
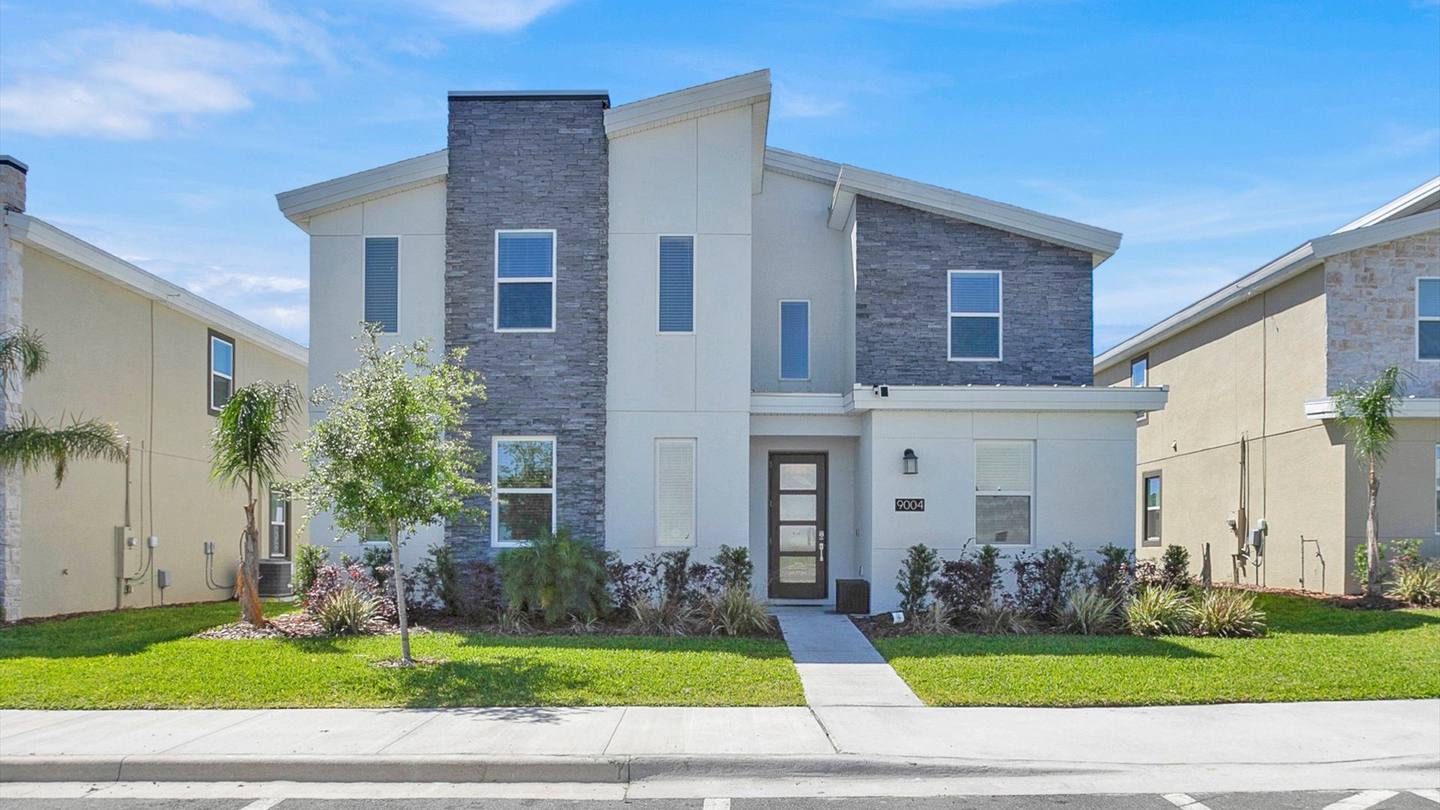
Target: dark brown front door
(797, 526)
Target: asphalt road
(1307, 800)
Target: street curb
(487, 768)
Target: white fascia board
(1407, 408)
(804, 167)
(1006, 398)
(1379, 233)
(692, 102)
(299, 205)
(42, 236)
(1421, 197)
(797, 403)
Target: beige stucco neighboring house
(1247, 460)
(152, 358)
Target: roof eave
(301, 204)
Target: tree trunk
(399, 578)
(1372, 535)
(247, 575)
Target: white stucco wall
(337, 303)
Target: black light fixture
(911, 462)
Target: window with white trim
(794, 340)
(522, 498)
(279, 523)
(1140, 371)
(675, 492)
(222, 370)
(525, 281)
(1150, 492)
(1004, 491)
(382, 282)
(975, 316)
(677, 284)
(1427, 318)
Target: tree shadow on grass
(509, 682)
(1298, 615)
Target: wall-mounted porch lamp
(910, 461)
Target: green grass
(146, 659)
(1313, 652)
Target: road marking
(717, 804)
(1362, 800)
(1184, 800)
(262, 804)
(1427, 793)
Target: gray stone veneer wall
(533, 163)
(902, 259)
(1370, 312)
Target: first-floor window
(675, 492)
(1151, 493)
(279, 524)
(1004, 491)
(222, 370)
(522, 501)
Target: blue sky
(1215, 136)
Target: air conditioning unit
(852, 596)
(275, 578)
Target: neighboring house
(1249, 438)
(693, 339)
(129, 348)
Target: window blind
(526, 254)
(1003, 466)
(675, 492)
(794, 340)
(677, 284)
(382, 282)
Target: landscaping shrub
(1228, 613)
(1175, 567)
(1115, 573)
(308, 558)
(936, 620)
(439, 579)
(629, 583)
(1089, 612)
(331, 579)
(735, 612)
(376, 560)
(973, 580)
(467, 589)
(660, 618)
(683, 582)
(1417, 584)
(1042, 581)
(913, 582)
(1000, 619)
(345, 612)
(555, 576)
(734, 568)
(1160, 611)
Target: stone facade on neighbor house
(1370, 296)
(902, 257)
(532, 163)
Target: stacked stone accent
(903, 256)
(12, 198)
(1370, 312)
(527, 162)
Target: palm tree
(248, 447)
(1366, 410)
(30, 443)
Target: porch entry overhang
(774, 413)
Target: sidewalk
(837, 665)
(1299, 745)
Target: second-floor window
(794, 340)
(1427, 324)
(382, 282)
(975, 317)
(677, 284)
(222, 370)
(1140, 371)
(525, 281)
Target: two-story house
(691, 338)
(1247, 459)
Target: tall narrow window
(279, 524)
(1151, 492)
(1427, 318)
(794, 340)
(975, 315)
(525, 281)
(677, 284)
(1140, 371)
(222, 370)
(1004, 491)
(522, 500)
(382, 282)
(675, 492)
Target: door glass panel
(798, 538)
(797, 476)
(797, 507)
(794, 570)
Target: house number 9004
(909, 504)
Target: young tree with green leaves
(249, 446)
(391, 451)
(30, 443)
(1367, 410)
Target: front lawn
(146, 659)
(1314, 652)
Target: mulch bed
(297, 626)
(301, 626)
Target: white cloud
(498, 16)
(211, 280)
(288, 29)
(789, 104)
(133, 83)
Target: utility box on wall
(852, 596)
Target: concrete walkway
(838, 666)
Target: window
(677, 284)
(279, 524)
(794, 340)
(1427, 318)
(1004, 491)
(675, 492)
(975, 318)
(522, 503)
(222, 370)
(1150, 492)
(1140, 371)
(382, 282)
(525, 281)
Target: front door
(797, 526)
